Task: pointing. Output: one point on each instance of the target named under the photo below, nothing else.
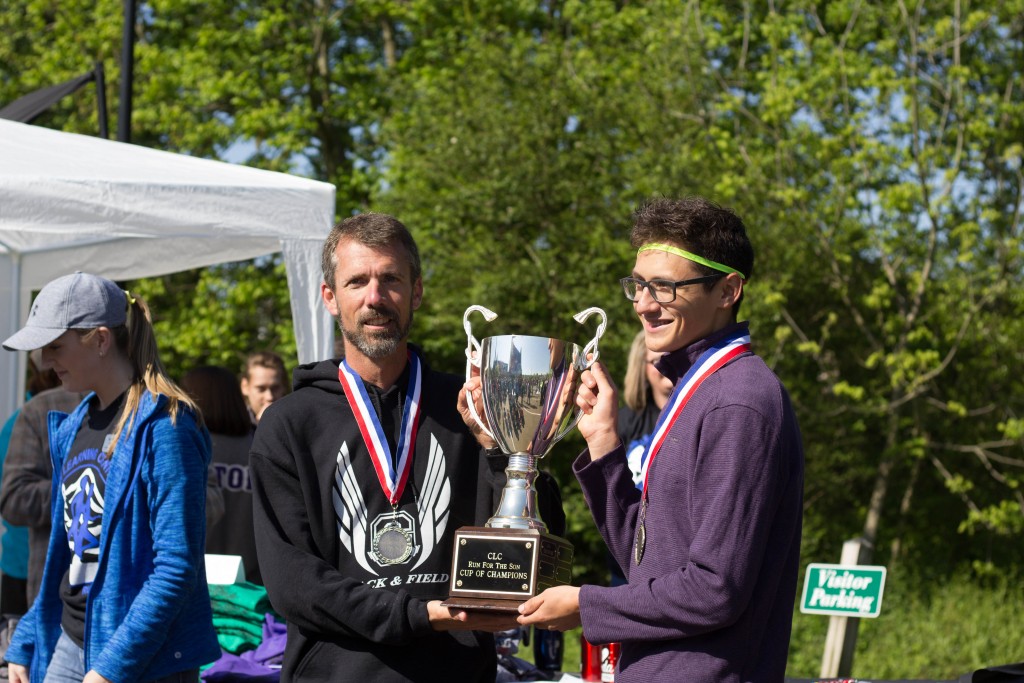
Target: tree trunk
(388, 37)
(908, 495)
(873, 519)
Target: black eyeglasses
(662, 291)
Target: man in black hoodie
(360, 478)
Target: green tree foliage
(218, 315)
(874, 150)
(288, 86)
(45, 43)
(904, 128)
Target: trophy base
(498, 569)
(483, 605)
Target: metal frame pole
(101, 99)
(124, 109)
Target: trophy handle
(473, 345)
(592, 346)
(588, 349)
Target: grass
(933, 630)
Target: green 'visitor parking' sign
(843, 591)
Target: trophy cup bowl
(528, 384)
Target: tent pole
(101, 98)
(15, 361)
(124, 111)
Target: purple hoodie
(712, 598)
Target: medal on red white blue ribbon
(710, 361)
(392, 543)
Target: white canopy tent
(73, 202)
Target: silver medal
(641, 534)
(392, 544)
(393, 538)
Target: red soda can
(597, 662)
(609, 659)
(590, 661)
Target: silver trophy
(528, 387)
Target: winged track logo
(361, 536)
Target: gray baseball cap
(79, 301)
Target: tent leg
(14, 363)
(124, 111)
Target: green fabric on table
(235, 644)
(240, 626)
(240, 599)
(239, 611)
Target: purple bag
(262, 665)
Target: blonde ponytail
(635, 387)
(137, 341)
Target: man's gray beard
(376, 346)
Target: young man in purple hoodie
(711, 545)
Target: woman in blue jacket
(124, 595)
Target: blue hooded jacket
(148, 611)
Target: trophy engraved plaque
(529, 387)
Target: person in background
(220, 401)
(362, 475)
(645, 392)
(264, 380)
(711, 544)
(14, 550)
(27, 478)
(124, 594)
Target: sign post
(848, 592)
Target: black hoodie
(317, 502)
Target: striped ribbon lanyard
(707, 364)
(392, 475)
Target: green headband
(691, 257)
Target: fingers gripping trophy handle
(591, 348)
(472, 345)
